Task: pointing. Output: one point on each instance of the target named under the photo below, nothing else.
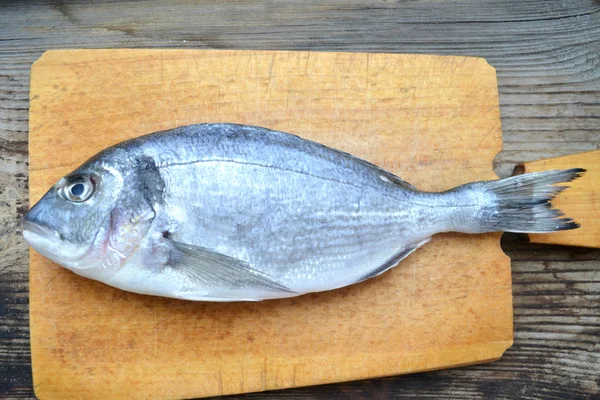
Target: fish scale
(282, 204)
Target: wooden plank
(433, 120)
(581, 202)
(546, 57)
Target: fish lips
(52, 245)
(40, 237)
(34, 230)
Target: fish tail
(517, 204)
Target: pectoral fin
(214, 269)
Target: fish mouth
(52, 245)
(37, 232)
(44, 240)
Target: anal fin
(395, 259)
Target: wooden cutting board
(581, 202)
(432, 120)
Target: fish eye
(79, 189)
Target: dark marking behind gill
(151, 183)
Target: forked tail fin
(522, 203)
(517, 204)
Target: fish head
(89, 221)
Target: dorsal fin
(385, 175)
(396, 180)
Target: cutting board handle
(580, 202)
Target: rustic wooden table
(547, 55)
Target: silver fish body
(226, 212)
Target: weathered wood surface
(547, 56)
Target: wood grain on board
(580, 202)
(432, 120)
